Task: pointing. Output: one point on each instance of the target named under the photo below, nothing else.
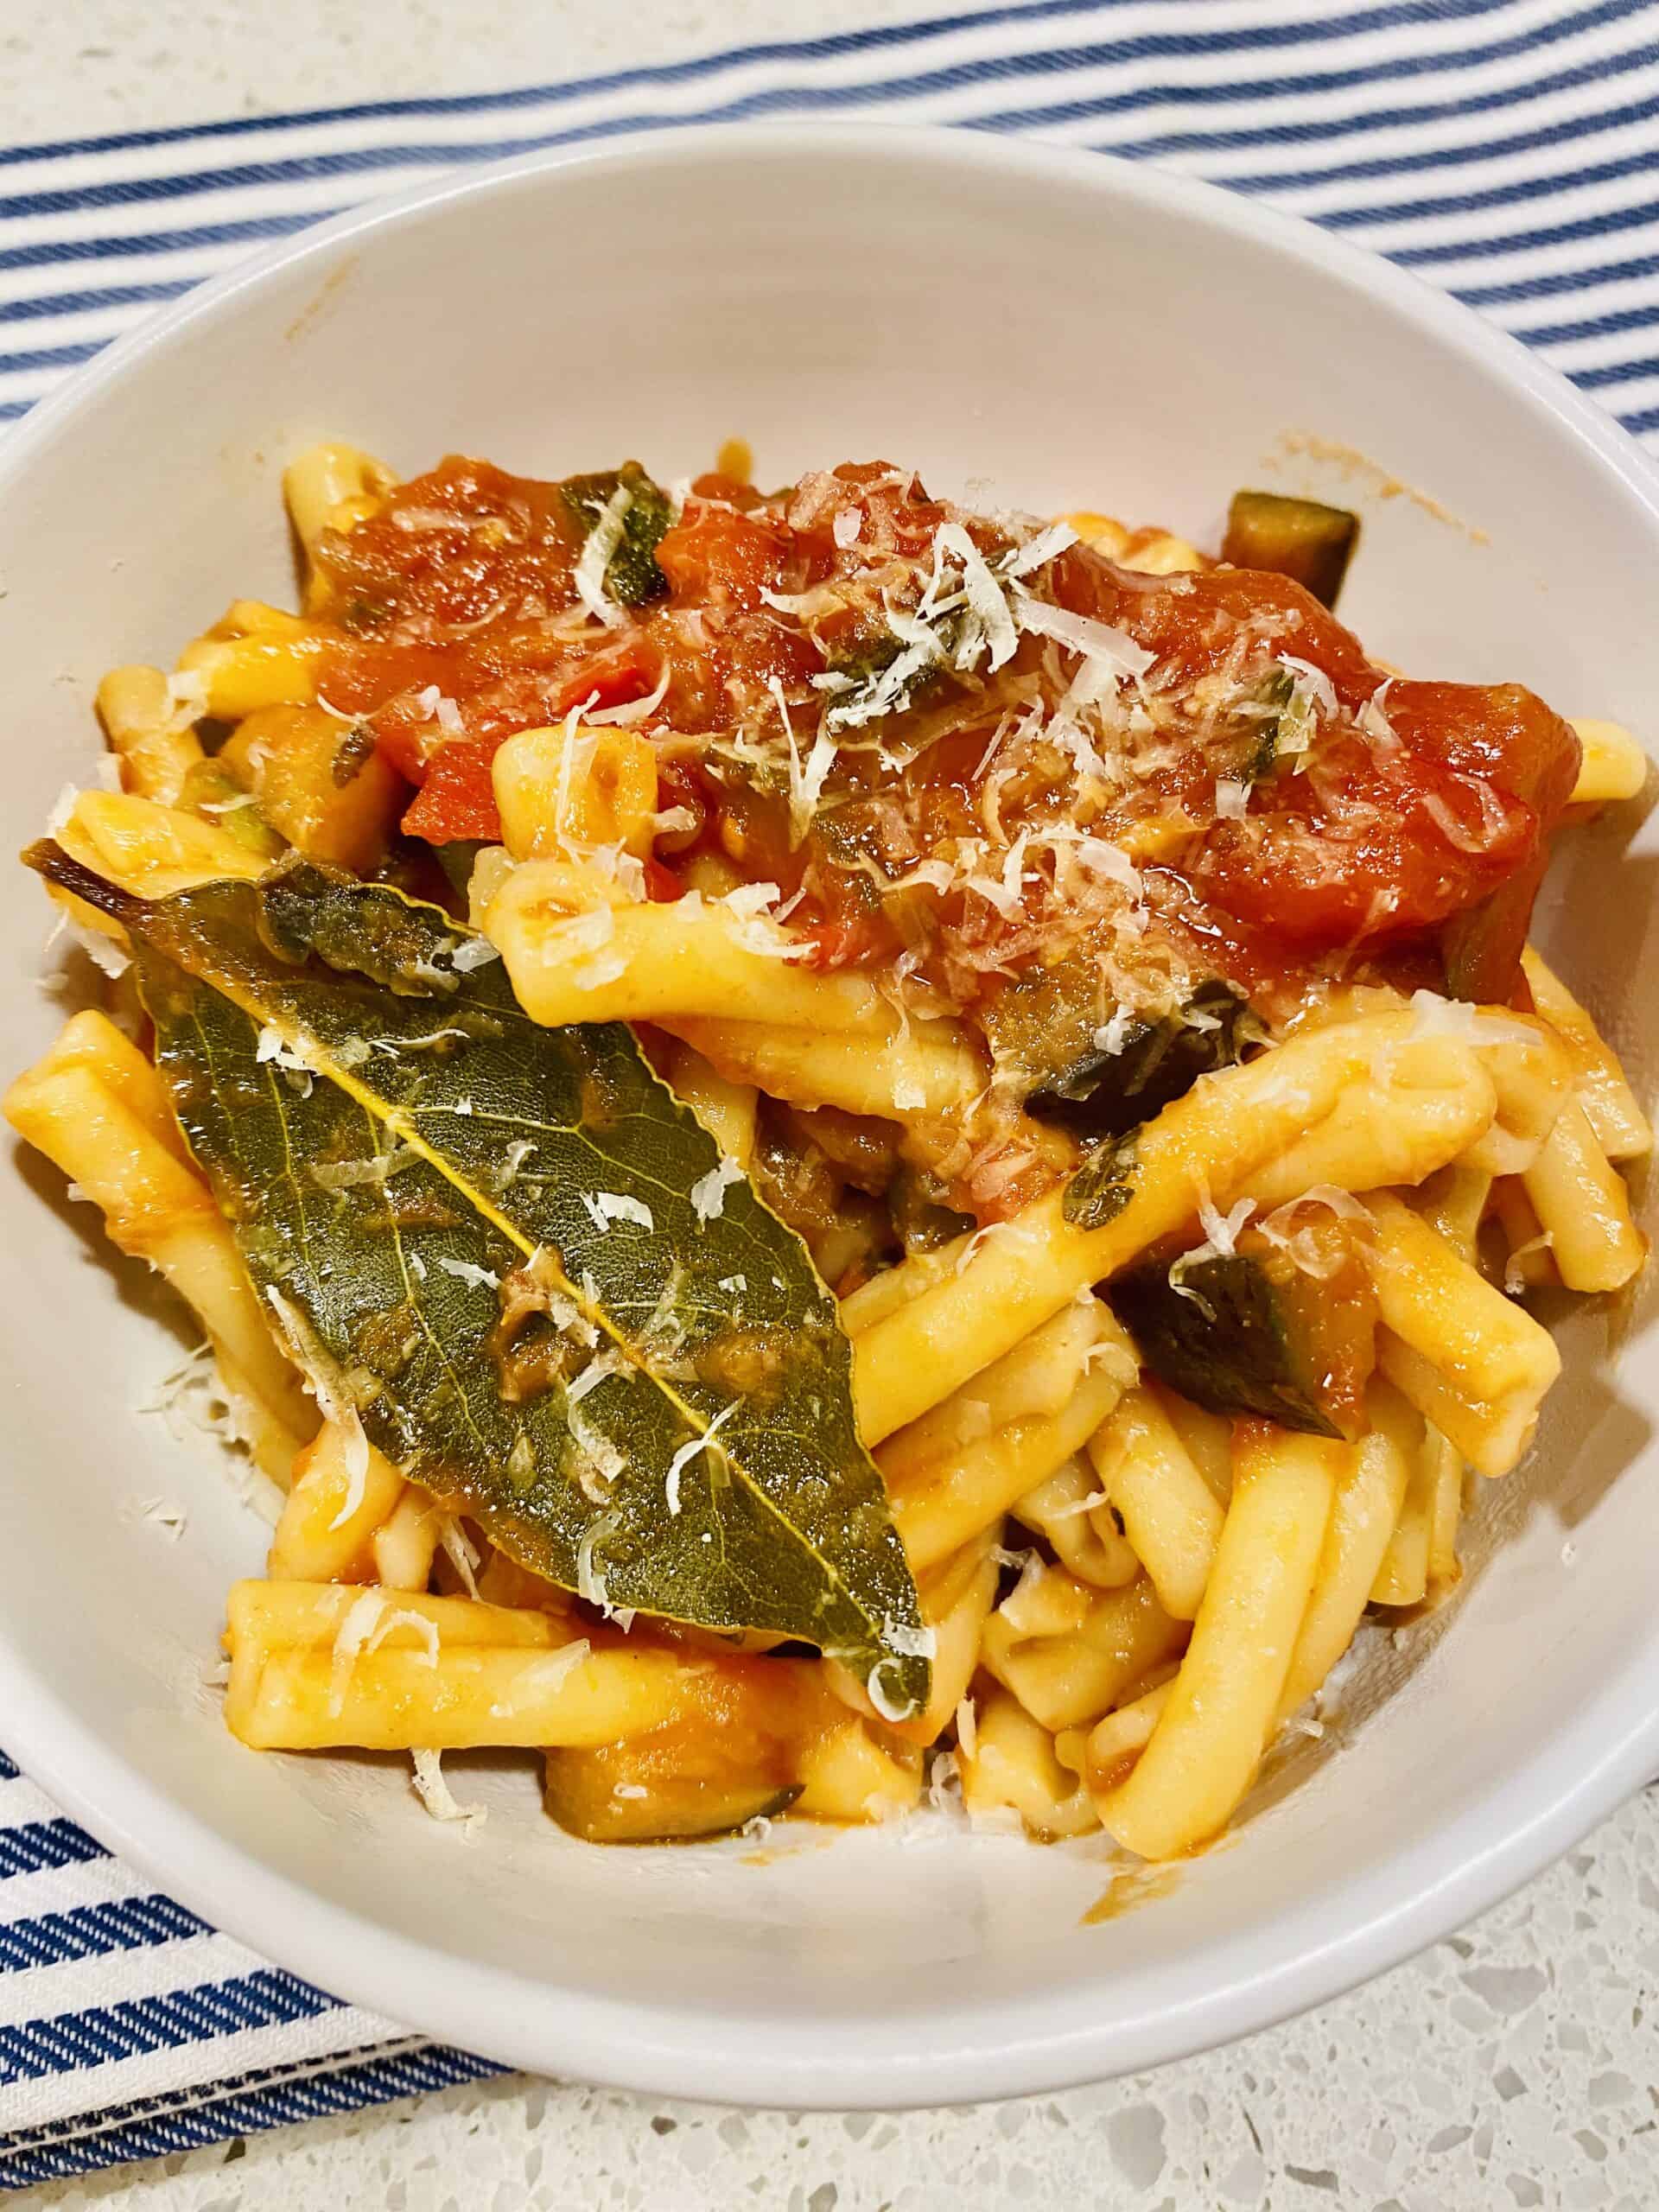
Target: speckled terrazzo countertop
(1516, 2065)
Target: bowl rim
(1037, 2043)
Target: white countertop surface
(1513, 2066)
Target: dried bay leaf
(517, 1254)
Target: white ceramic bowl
(1029, 327)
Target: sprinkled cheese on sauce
(597, 553)
(1113, 649)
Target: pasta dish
(841, 1152)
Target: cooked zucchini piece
(1101, 1093)
(617, 1795)
(733, 1751)
(632, 576)
(1301, 538)
(1254, 1331)
(211, 791)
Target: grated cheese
(434, 1793)
(606, 1208)
(688, 1452)
(465, 1271)
(707, 1193)
(596, 554)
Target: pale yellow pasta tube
(1613, 766)
(1068, 1653)
(1580, 1200)
(255, 656)
(848, 1774)
(406, 1542)
(398, 1670)
(957, 1630)
(1154, 552)
(1446, 1472)
(1210, 1737)
(1012, 1767)
(682, 960)
(1528, 1265)
(1171, 1516)
(151, 850)
(1035, 1381)
(1379, 1133)
(894, 1287)
(1105, 1755)
(1491, 1436)
(953, 1501)
(1208, 1437)
(463, 1699)
(156, 1208)
(1074, 1513)
(929, 1068)
(154, 742)
(573, 785)
(1370, 1486)
(342, 1489)
(1623, 1130)
(1487, 1348)
(1224, 1130)
(1455, 1204)
(727, 1109)
(91, 1040)
(332, 486)
(272, 1444)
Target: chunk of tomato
(457, 800)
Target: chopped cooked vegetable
(1252, 1332)
(632, 576)
(1107, 1092)
(1301, 538)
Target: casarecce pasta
(1112, 984)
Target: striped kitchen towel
(1507, 150)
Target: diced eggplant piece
(1301, 538)
(654, 1807)
(916, 1201)
(632, 576)
(1104, 1094)
(1253, 1333)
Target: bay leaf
(523, 1260)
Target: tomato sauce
(1404, 840)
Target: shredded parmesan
(465, 1271)
(607, 1207)
(601, 543)
(434, 1793)
(688, 1452)
(707, 1193)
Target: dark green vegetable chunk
(632, 576)
(1107, 1094)
(1251, 1331)
(1301, 538)
(522, 1262)
(582, 1796)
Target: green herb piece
(523, 1262)
(632, 576)
(1103, 1186)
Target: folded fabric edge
(243, 2105)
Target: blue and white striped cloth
(1507, 150)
